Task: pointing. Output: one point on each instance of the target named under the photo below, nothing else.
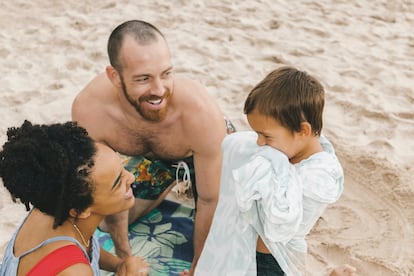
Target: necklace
(80, 234)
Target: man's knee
(143, 207)
(140, 209)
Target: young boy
(275, 183)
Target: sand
(362, 51)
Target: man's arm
(206, 134)
(208, 171)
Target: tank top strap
(54, 239)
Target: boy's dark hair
(290, 97)
(143, 33)
(49, 167)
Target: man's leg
(144, 206)
(154, 179)
(117, 224)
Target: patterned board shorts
(153, 177)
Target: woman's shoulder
(68, 259)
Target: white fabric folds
(261, 193)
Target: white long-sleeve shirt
(261, 193)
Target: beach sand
(362, 51)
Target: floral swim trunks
(153, 176)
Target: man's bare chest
(167, 144)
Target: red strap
(58, 260)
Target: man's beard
(150, 115)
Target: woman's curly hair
(48, 166)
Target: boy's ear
(305, 129)
(113, 76)
(83, 215)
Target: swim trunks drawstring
(185, 184)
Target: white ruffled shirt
(261, 193)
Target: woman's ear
(113, 76)
(83, 215)
(305, 129)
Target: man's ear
(305, 129)
(83, 215)
(113, 76)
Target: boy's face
(272, 133)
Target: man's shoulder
(192, 94)
(187, 86)
(183, 79)
(92, 105)
(99, 87)
(96, 93)
(197, 105)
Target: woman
(71, 183)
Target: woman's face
(113, 192)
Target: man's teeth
(154, 102)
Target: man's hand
(132, 266)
